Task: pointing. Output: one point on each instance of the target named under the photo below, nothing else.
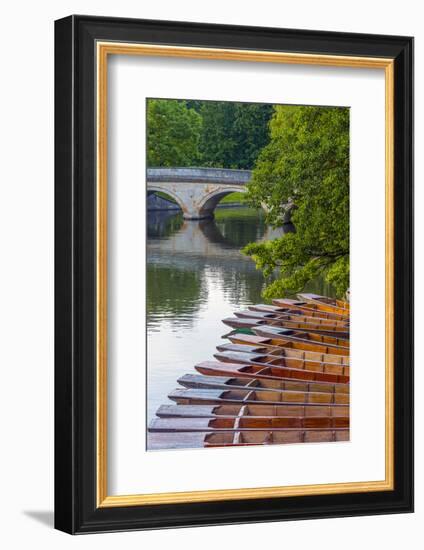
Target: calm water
(196, 276)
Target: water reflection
(186, 260)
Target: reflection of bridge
(196, 190)
(202, 241)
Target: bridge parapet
(222, 176)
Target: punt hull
(231, 409)
(249, 323)
(281, 348)
(324, 301)
(241, 423)
(190, 440)
(263, 360)
(309, 307)
(255, 397)
(215, 368)
(198, 381)
(321, 343)
(291, 308)
(298, 317)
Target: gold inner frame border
(103, 50)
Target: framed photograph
(234, 274)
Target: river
(196, 276)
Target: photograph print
(247, 274)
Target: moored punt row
(335, 333)
(287, 348)
(224, 382)
(214, 396)
(281, 377)
(187, 440)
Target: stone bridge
(197, 191)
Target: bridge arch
(167, 191)
(212, 199)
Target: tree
(307, 162)
(233, 133)
(173, 133)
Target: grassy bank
(234, 197)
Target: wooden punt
(325, 300)
(224, 382)
(244, 323)
(217, 368)
(303, 323)
(254, 396)
(287, 362)
(308, 307)
(295, 316)
(329, 344)
(291, 307)
(275, 437)
(259, 344)
(188, 440)
(215, 411)
(251, 423)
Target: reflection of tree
(320, 286)
(173, 294)
(239, 226)
(242, 286)
(163, 223)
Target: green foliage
(221, 134)
(173, 133)
(307, 162)
(233, 133)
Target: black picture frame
(76, 510)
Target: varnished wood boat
(309, 307)
(259, 344)
(287, 362)
(187, 440)
(250, 323)
(253, 396)
(291, 307)
(217, 368)
(295, 316)
(263, 410)
(274, 437)
(251, 423)
(338, 329)
(324, 300)
(329, 344)
(198, 381)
